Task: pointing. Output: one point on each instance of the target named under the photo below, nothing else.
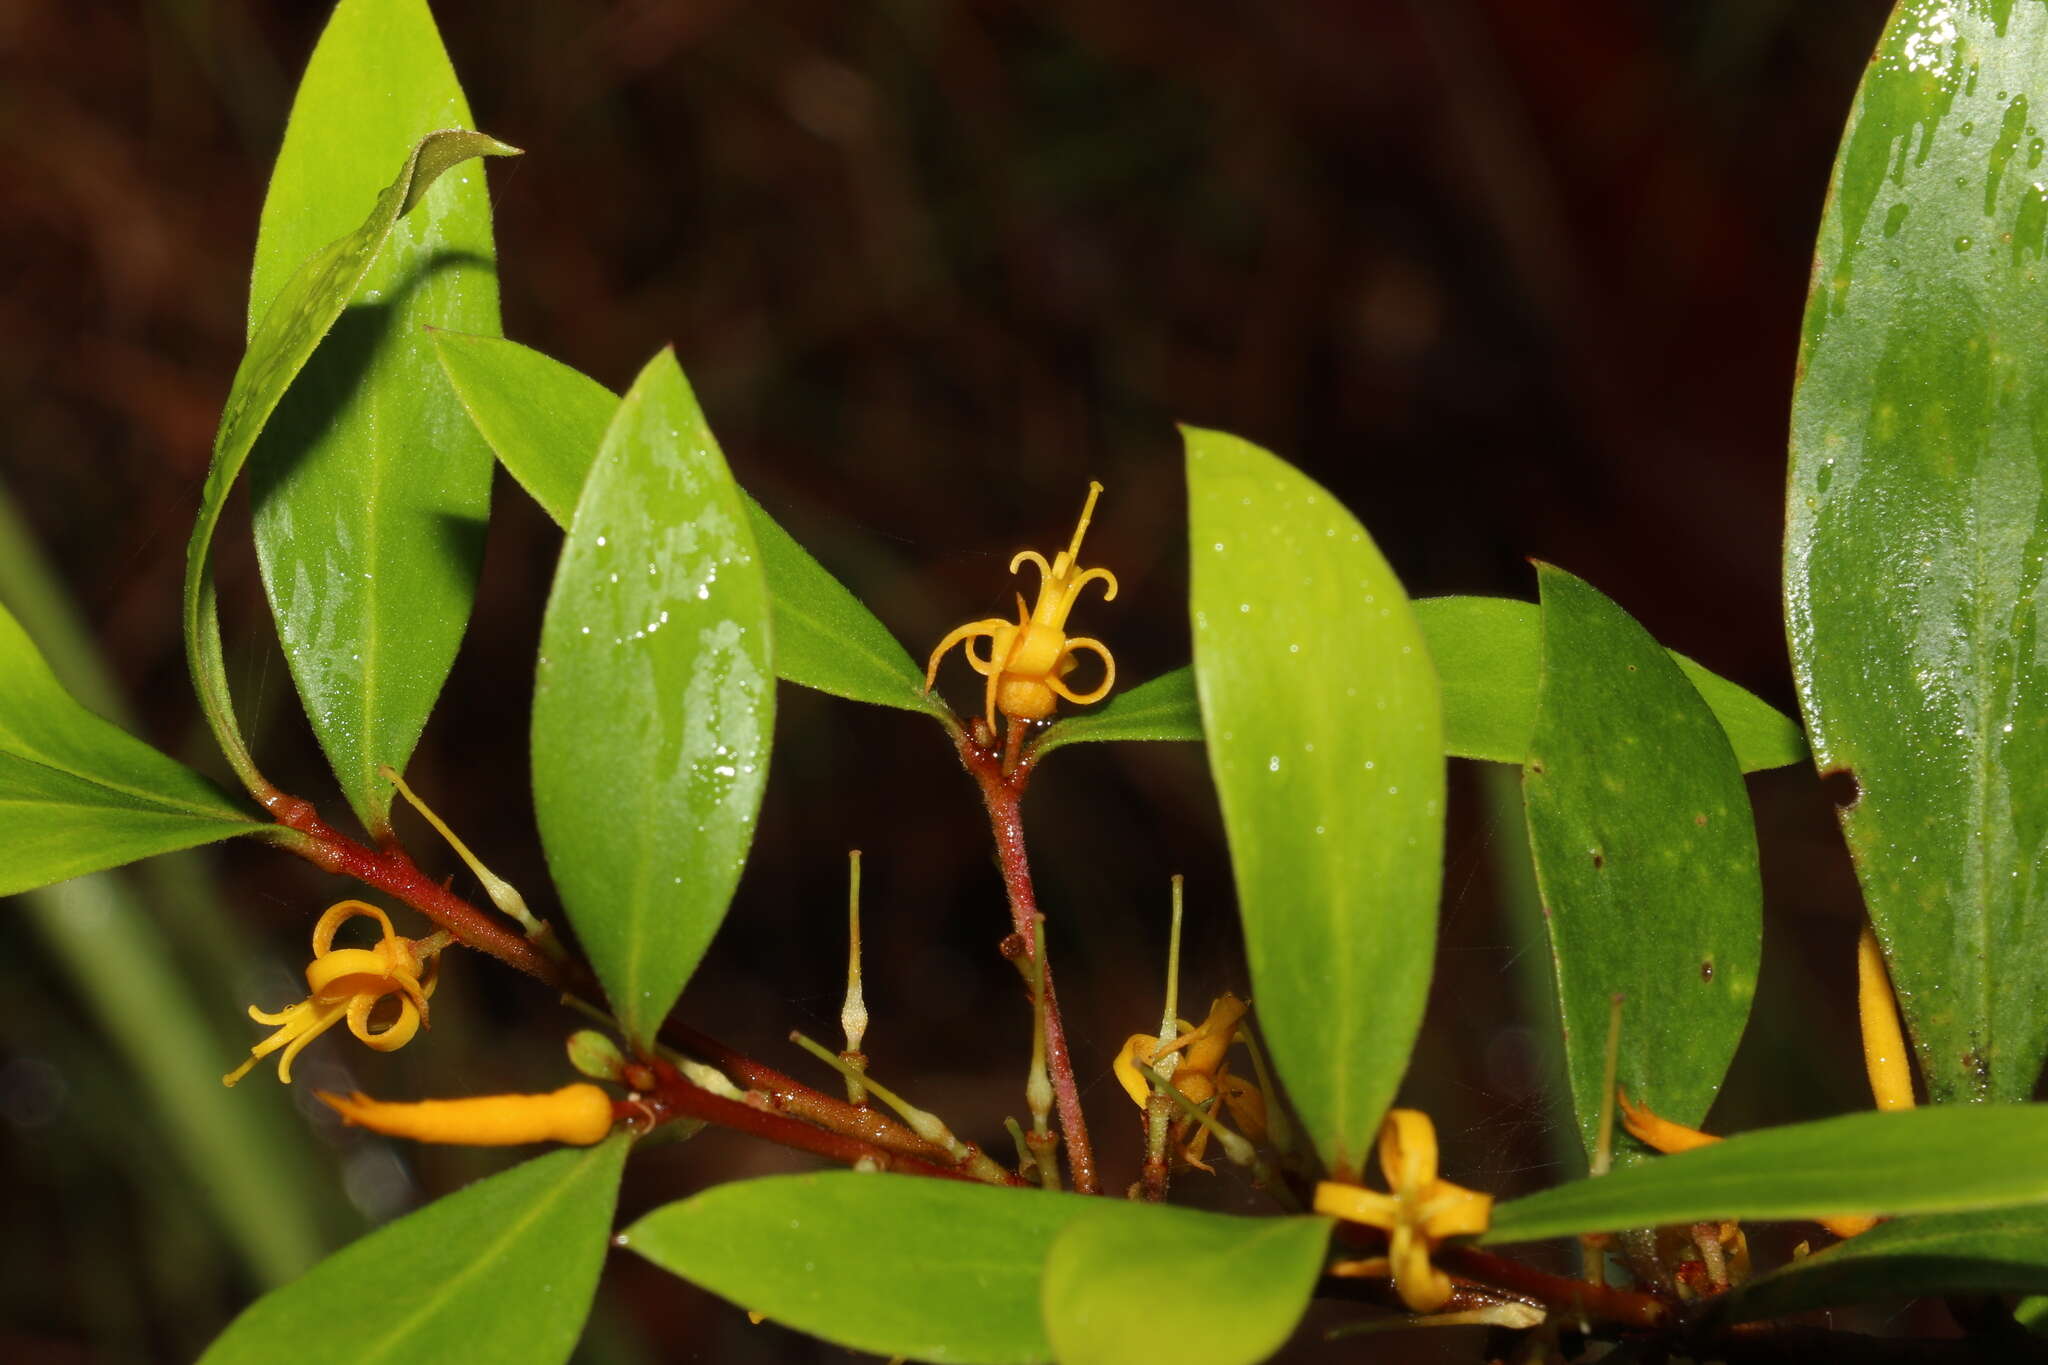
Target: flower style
(1028, 661)
(347, 983)
(1201, 1074)
(579, 1114)
(1421, 1211)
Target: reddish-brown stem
(791, 1096)
(1623, 1307)
(1003, 793)
(675, 1097)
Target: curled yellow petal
(1651, 1129)
(579, 1114)
(1139, 1047)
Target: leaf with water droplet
(653, 712)
(1917, 530)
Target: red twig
(1002, 792)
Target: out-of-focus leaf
(298, 318)
(896, 1265)
(1325, 740)
(1994, 1251)
(1488, 651)
(370, 487)
(1237, 1286)
(545, 419)
(79, 794)
(1943, 1159)
(501, 1271)
(654, 704)
(1646, 855)
(1917, 528)
(1163, 709)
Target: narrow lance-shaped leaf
(545, 420)
(654, 704)
(1941, 1159)
(1129, 1282)
(303, 311)
(78, 793)
(895, 1265)
(1918, 528)
(1646, 856)
(503, 1271)
(371, 488)
(1486, 651)
(1325, 740)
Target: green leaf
(1488, 650)
(1237, 1286)
(78, 793)
(370, 487)
(1486, 654)
(299, 316)
(503, 1271)
(1917, 534)
(1163, 709)
(545, 419)
(1646, 855)
(897, 1265)
(654, 704)
(1943, 1159)
(1326, 745)
(1996, 1251)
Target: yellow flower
(1201, 1075)
(1420, 1213)
(579, 1113)
(1027, 662)
(347, 983)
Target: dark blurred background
(1512, 278)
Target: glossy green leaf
(1943, 1159)
(503, 1271)
(1918, 531)
(545, 419)
(1163, 709)
(1995, 1251)
(654, 704)
(1488, 653)
(1325, 741)
(370, 487)
(936, 1270)
(78, 793)
(298, 318)
(1238, 1286)
(1646, 856)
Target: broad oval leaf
(545, 419)
(1645, 852)
(1235, 1287)
(654, 704)
(937, 1270)
(1488, 652)
(370, 487)
(1917, 528)
(79, 794)
(1994, 1251)
(1942, 1159)
(298, 318)
(1487, 656)
(1325, 741)
(502, 1270)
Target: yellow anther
(1028, 661)
(580, 1114)
(1420, 1212)
(348, 983)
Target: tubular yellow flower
(579, 1114)
(1028, 661)
(1421, 1211)
(347, 983)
